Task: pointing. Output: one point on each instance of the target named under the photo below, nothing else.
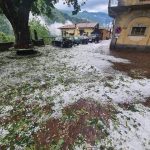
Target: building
(131, 29)
(80, 29)
(105, 33)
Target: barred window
(138, 31)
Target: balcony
(117, 6)
(114, 7)
(113, 3)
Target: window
(138, 31)
(81, 32)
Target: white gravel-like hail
(84, 71)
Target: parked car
(75, 40)
(94, 38)
(84, 39)
(62, 42)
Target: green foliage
(45, 6)
(6, 38)
(57, 145)
(42, 31)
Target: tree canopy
(43, 6)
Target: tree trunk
(19, 19)
(21, 28)
(22, 31)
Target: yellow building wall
(106, 34)
(68, 31)
(88, 31)
(76, 32)
(128, 20)
(134, 2)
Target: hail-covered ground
(62, 77)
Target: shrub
(6, 38)
(42, 31)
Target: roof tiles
(80, 25)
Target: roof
(68, 27)
(79, 25)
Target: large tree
(17, 12)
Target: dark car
(75, 40)
(84, 39)
(94, 38)
(62, 42)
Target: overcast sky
(91, 5)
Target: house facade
(80, 29)
(131, 30)
(105, 33)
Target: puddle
(139, 66)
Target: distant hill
(5, 26)
(62, 17)
(99, 17)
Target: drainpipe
(75, 28)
